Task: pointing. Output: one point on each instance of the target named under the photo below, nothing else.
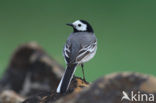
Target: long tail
(66, 79)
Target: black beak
(69, 24)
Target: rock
(109, 89)
(33, 75)
(77, 84)
(31, 71)
(9, 96)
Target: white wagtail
(80, 47)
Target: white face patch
(78, 25)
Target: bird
(80, 47)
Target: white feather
(83, 26)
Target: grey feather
(76, 42)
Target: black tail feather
(66, 79)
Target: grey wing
(86, 50)
(66, 52)
(77, 48)
(71, 51)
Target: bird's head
(81, 26)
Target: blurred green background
(126, 31)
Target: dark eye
(79, 25)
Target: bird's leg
(83, 72)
